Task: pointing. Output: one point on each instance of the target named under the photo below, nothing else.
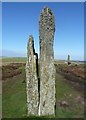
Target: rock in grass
(64, 104)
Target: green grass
(14, 98)
(13, 60)
(0, 105)
(66, 92)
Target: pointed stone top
(30, 41)
(30, 37)
(47, 10)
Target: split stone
(31, 79)
(41, 93)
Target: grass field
(14, 96)
(5, 61)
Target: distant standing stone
(31, 79)
(47, 68)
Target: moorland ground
(69, 89)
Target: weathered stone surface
(31, 79)
(41, 92)
(47, 68)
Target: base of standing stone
(32, 93)
(47, 90)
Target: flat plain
(69, 89)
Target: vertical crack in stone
(40, 83)
(38, 95)
(47, 68)
(32, 78)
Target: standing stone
(31, 79)
(47, 68)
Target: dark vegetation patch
(73, 73)
(77, 70)
(11, 70)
